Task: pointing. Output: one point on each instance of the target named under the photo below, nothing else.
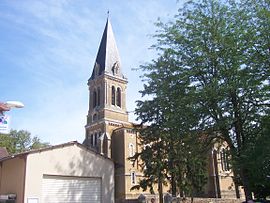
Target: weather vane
(108, 13)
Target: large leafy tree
(211, 75)
(20, 141)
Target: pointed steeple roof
(107, 60)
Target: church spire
(107, 95)
(107, 60)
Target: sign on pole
(4, 124)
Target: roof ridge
(50, 148)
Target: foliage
(211, 77)
(37, 143)
(153, 160)
(257, 159)
(20, 141)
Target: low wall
(195, 200)
(209, 200)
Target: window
(94, 99)
(115, 68)
(95, 117)
(118, 98)
(98, 96)
(95, 139)
(133, 178)
(131, 150)
(224, 157)
(113, 95)
(91, 139)
(105, 146)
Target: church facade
(110, 134)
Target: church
(109, 132)
(98, 170)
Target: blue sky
(47, 53)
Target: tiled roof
(3, 152)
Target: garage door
(57, 189)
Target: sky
(47, 53)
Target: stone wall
(195, 200)
(209, 200)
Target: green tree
(195, 166)
(257, 159)
(163, 135)
(20, 141)
(36, 143)
(212, 75)
(153, 157)
(7, 142)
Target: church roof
(107, 60)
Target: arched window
(98, 96)
(131, 150)
(115, 68)
(95, 117)
(118, 98)
(113, 95)
(94, 99)
(224, 157)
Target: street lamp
(10, 104)
(4, 119)
(14, 104)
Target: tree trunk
(192, 195)
(245, 182)
(160, 190)
(240, 139)
(237, 190)
(173, 184)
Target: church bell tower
(107, 95)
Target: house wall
(130, 137)
(119, 159)
(68, 161)
(12, 177)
